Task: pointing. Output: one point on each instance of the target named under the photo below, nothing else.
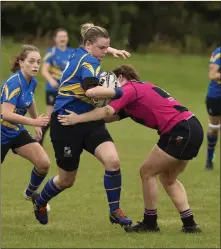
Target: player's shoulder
(217, 51)
(50, 51)
(13, 79)
(91, 59)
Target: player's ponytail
(127, 71)
(85, 27)
(15, 65)
(90, 32)
(22, 56)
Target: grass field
(79, 216)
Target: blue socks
(112, 184)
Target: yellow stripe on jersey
(14, 93)
(75, 69)
(47, 56)
(89, 67)
(55, 70)
(5, 89)
(98, 70)
(214, 58)
(75, 87)
(9, 125)
(77, 91)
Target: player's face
(61, 38)
(31, 64)
(99, 48)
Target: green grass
(79, 216)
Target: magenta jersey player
(151, 106)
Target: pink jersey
(151, 106)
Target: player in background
(81, 73)
(213, 104)
(181, 136)
(55, 61)
(17, 98)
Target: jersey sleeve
(11, 92)
(216, 58)
(48, 56)
(121, 103)
(91, 68)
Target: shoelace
(121, 213)
(42, 210)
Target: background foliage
(192, 27)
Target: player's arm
(118, 53)
(214, 73)
(46, 74)
(9, 115)
(96, 114)
(100, 92)
(111, 118)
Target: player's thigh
(100, 144)
(157, 162)
(26, 146)
(67, 142)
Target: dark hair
(90, 33)
(26, 49)
(127, 71)
(59, 30)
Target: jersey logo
(67, 151)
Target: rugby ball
(108, 80)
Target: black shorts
(22, 139)
(69, 141)
(184, 140)
(213, 106)
(50, 98)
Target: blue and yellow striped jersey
(57, 60)
(71, 94)
(17, 91)
(214, 89)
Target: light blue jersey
(57, 60)
(214, 89)
(17, 91)
(71, 94)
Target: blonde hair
(90, 32)
(26, 49)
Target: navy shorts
(20, 140)
(69, 141)
(213, 106)
(184, 140)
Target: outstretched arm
(96, 114)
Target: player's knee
(112, 163)
(166, 180)
(214, 129)
(65, 182)
(145, 172)
(43, 164)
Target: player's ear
(119, 78)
